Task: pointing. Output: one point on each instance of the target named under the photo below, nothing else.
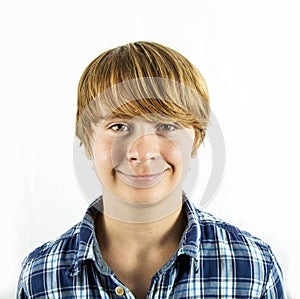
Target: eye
(119, 127)
(167, 127)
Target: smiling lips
(141, 181)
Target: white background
(248, 52)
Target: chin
(145, 195)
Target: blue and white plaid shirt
(213, 260)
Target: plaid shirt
(213, 260)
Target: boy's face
(142, 161)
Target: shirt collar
(190, 241)
(189, 244)
(86, 237)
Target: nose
(144, 148)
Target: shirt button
(119, 291)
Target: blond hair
(142, 79)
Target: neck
(116, 208)
(142, 235)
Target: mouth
(141, 181)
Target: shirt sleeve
(20, 291)
(21, 294)
(274, 285)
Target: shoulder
(236, 253)
(64, 242)
(58, 261)
(56, 253)
(231, 241)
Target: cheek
(102, 157)
(118, 150)
(102, 151)
(178, 152)
(108, 153)
(171, 152)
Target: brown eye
(119, 127)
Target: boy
(142, 113)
